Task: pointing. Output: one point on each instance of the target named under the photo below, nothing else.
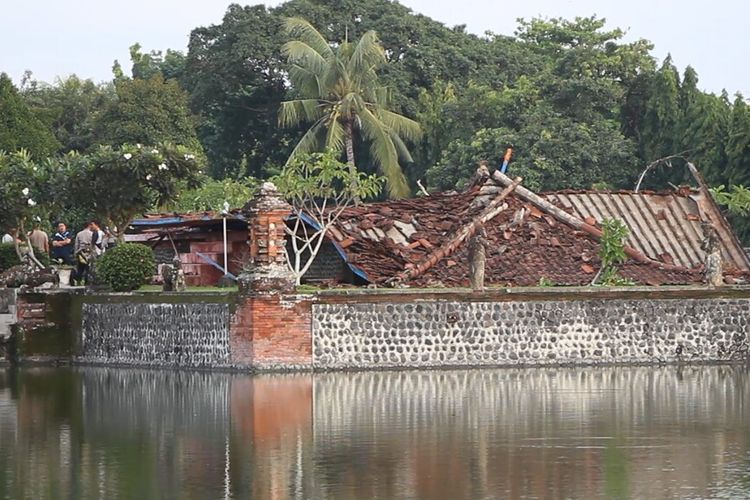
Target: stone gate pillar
(271, 327)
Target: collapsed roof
(552, 238)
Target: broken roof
(183, 219)
(423, 241)
(663, 225)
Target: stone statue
(477, 259)
(28, 274)
(173, 277)
(714, 275)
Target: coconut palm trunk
(350, 158)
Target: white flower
(200, 172)
(149, 177)
(31, 203)
(127, 156)
(139, 146)
(154, 151)
(163, 166)
(189, 157)
(25, 191)
(34, 168)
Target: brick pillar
(271, 327)
(267, 270)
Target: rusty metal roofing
(665, 226)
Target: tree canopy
(579, 104)
(20, 128)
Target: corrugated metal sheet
(663, 226)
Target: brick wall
(272, 331)
(31, 311)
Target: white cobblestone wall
(453, 333)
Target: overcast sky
(59, 37)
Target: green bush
(8, 256)
(126, 267)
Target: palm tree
(340, 95)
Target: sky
(58, 37)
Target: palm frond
(367, 55)
(310, 142)
(301, 54)
(302, 30)
(335, 136)
(292, 113)
(403, 152)
(306, 82)
(404, 127)
(384, 153)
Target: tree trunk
(350, 159)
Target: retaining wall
(179, 330)
(361, 329)
(461, 332)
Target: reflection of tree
(615, 471)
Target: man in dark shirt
(62, 244)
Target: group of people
(79, 251)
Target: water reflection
(549, 433)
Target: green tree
(662, 114)
(171, 66)
(234, 73)
(26, 192)
(148, 112)
(320, 187)
(19, 127)
(612, 253)
(117, 184)
(212, 194)
(737, 170)
(71, 108)
(341, 96)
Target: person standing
(98, 242)
(84, 252)
(39, 239)
(62, 245)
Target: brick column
(271, 327)
(267, 270)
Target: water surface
(669, 432)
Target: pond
(635, 432)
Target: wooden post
(478, 259)
(714, 274)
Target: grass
(157, 288)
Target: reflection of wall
(545, 433)
(458, 333)
(272, 429)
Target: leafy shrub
(8, 256)
(126, 267)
